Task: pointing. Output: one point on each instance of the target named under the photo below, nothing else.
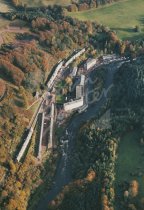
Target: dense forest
(25, 65)
(93, 168)
(128, 96)
(87, 4)
(74, 6)
(60, 33)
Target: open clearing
(36, 3)
(130, 160)
(121, 16)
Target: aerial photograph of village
(71, 104)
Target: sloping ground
(9, 34)
(122, 17)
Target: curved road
(63, 172)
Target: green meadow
(122, 17)
(130, 161)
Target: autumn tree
(133, 189)
(16, 2)
(12, 166)
(72, 8)
(68, 80)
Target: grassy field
(121, 17)
(36, 3)
(130, 160)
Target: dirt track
(11, 29)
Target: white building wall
(74, 57)
(50, 144)
(41, 135)
(79, 91)
(74, 71)
(31, 129)
(109, 57)
(73, 104)
(25, 144)
(51, 81)
(82, 81)
(90, 63)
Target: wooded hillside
(87, 4)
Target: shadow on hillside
(26, 37)
(136, 37)
(129, 30)
(141, 20)
(132, 36)
(5, 77)
(18, 103)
